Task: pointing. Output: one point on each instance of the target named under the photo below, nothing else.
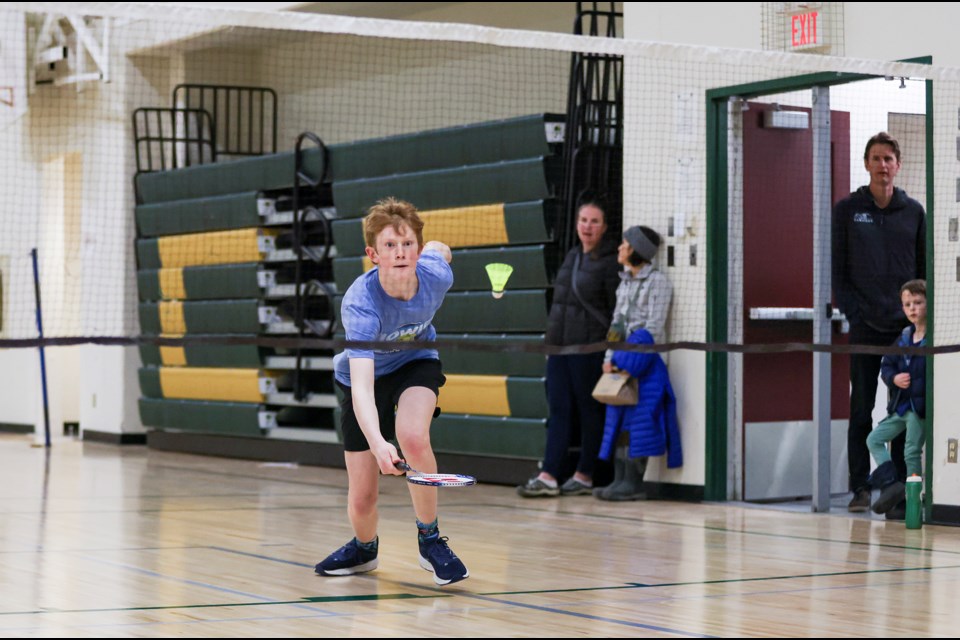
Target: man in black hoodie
(879, 242)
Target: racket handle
(403, 466)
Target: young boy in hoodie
(905, 375)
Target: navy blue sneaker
(347, 560)
(436, 556)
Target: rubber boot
(619, 460)
(631, 487)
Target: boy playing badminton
(392, 393)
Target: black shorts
(387, 391)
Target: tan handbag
(617, 388)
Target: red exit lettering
(804, 29)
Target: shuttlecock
(499, 273)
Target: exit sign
(807, 30)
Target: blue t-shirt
(368, 314)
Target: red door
(778, 270)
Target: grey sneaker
(537, 488)
(860, 502)
(574, 487)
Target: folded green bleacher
(205, 249)
(508, 181)
(203, 316)
(229, 418)
(498, 361)
(493, 395)
(206, 355)
(522, 438)
(260, 173)
(482, 143)
(522, 311)
(195, 283)
(216, 213)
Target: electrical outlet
(952, 450)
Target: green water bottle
(914, 516)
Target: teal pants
(888, 429)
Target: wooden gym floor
(101, 541)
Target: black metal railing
(303, 181)
(593, 149)
(172, 138)
(245, 117)
(207, 123)
(167, 139)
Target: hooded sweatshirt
(875, 251)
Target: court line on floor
(794, 577)
(605, 516)
(111, 549)
(490, 596)
(262, 557)
(246, 476)
(641, 585)
(302, 601)
(156, 574)
(587, 616)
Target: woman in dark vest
(584, 296)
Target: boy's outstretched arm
(365, 408)
(439, 247)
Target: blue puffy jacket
(652, 422)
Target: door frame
(720, 471)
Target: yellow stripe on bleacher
(171, 284)
(466, 226)
(171, 317)
(173, 356)
(478, 395)
(216, 247)
(207, 383)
